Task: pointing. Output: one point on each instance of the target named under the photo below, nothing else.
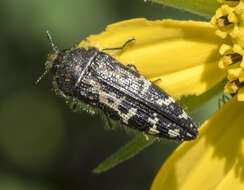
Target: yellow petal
(214, 161)
(183, 54)
(240, 95)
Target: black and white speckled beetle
(95, 78)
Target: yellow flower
(215, 159)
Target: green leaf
(124, 153)
(194, 102)
(202, 7)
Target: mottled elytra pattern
(96, 78)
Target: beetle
(90, 77)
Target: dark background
(43, 145)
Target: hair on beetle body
(87, 76)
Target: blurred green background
(43, 145)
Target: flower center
(229, 23)
(230, 59)
(223, 21)
(234, 86)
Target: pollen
(52, 57)
(223, 21)
(233, 74)
(231, 59)
(231, 87)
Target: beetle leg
(121, 47)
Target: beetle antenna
(43, 75)
(54, 47)
(56, 51)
